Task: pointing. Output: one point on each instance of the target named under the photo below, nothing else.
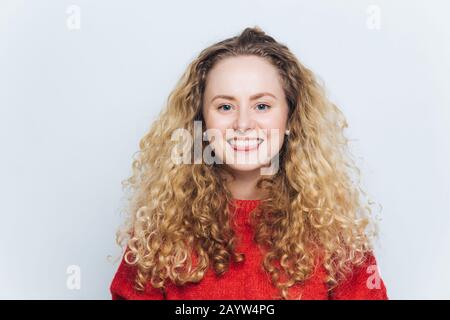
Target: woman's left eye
(262, 107)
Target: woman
(256, 202)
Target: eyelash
(268, 107)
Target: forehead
(242, 76)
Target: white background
(74, 104)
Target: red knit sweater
(248, 280)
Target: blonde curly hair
(314, 209)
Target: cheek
(217, 127)
(273, 123)
(213, 122)
(275, 127)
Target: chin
(244, 167)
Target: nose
(244, 121)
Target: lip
(245, 144)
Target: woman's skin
(239, 116)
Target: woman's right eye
(225, 107)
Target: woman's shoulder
(363, 283)
(124, 280)
(123, 287)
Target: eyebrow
(254, 97)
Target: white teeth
(245, 143)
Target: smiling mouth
(245, 144)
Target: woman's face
(245, 104)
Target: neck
(243, 185)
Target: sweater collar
(246, 205)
